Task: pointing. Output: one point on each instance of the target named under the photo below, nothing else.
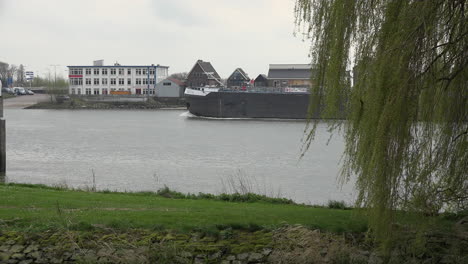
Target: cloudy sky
(229, 33)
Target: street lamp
(2, 140)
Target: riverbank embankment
(77, 103)
(23, 101)
(43, 224)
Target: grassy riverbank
(38, 207)
(55, 225)
(8, 96)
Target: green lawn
(37, 208)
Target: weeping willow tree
(406, 129)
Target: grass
(38, 207)
(168, 222)
(7, 95)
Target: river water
(145, 150)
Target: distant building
(203, 74)
(261, 81)
(170, 87)
(117, 79)
(238, 79)
(289, 75)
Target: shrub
(234, 197)
(333, 204)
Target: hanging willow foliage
(406, 130)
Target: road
(23, 101)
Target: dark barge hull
(227, 104)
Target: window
(112, 81)
(104, 81)
(129, 81)
(144, 71)
(104, 71)
(96, 81)
(72, 90)
(129, 71)
(88, 71)
(76, 81)
(151, 71)
(121, 71)
(167, 83)
(145, 81)
(121, 81)
(75, 71)
(78, 91)
(151, 81)
(138, 71)
(96, 71)
(88, 91)
(145, 91)
(96, 91)
(88, 81)
(138, 81)
(112, 71)
(104, 91)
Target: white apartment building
(117, 79)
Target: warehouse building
(289, 75)
(170, 87)
(115, 80)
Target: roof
(289, 71)
(118, 66)
(176, 81)
(262, 76)
(242, 72)
(290, 66)
(207, 68)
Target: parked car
(19, 91)
(7, 90)
(29, 92)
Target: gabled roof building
(261, 81)
(203, 74)
(238, 79)
(170, 87)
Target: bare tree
(179, 76)
(4, 72)
(11, 72)
(20, 75)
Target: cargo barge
(284, 103)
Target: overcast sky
(229, 33)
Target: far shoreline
(77, 103)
